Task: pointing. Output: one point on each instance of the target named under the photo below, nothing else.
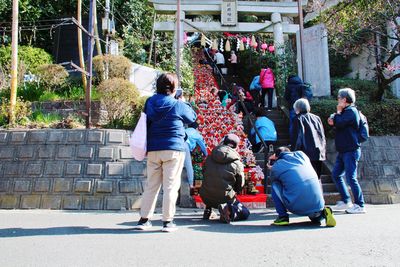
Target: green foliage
(53, 77)
(118, 67)
(22, 111)
(49, 96)
(119, 97)
(363, 88)
(39, 117)
(252, 61)
(31, 57)
(187, 75)
(339, 65)
(383, 117)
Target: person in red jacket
(267, 82)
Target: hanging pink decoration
(271, 48)
(255, 45)
(244, 40)
(185, 38)
(264, 46)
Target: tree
(354, 25)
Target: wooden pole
(80, 47)
(300, 11)
(14, 62)
(178, 41)
(90, 63)
(152, 39)
(96, 33)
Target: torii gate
(229, 10)
(279, 25)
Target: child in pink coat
(267, 82)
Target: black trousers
(270, 92)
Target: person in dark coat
(294, 91)
(295, 188)
(308, 134)
(223, 178)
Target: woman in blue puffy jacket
(166, 117)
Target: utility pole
(14, 62)
(300, 11)
(178, 41)
(90, 63)
(107, 15)
(80, 47)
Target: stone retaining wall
(69, 169)
(379, 168)
(94, 170)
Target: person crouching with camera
(295, 188)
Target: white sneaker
(356, 209)
(341, 206)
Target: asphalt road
(62, 238)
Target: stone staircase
(280, 119)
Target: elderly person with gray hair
(308, 134)
(346, 122)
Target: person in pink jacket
(267, 82)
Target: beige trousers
(163, 168)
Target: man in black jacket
(223, 178)
(308, 134)
(293, 91)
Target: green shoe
(281, 221)
(330, 220)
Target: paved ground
(61, 238)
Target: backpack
(363, 129)
(307, 91)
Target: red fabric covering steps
(250, 201)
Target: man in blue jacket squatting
(295, 188)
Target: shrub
(383, 117)
(118, 67)
(119, 97)
(363, 88)
(22, 111)
(53, 77)
(31, 57)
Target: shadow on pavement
(68, 230)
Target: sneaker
(281, 221)
(329, 219)
(207, 214)
(169, 227)
(356, 209)
(225, 213)
(341, 206)
(143, 224)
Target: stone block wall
(69, 169)
(379, 168)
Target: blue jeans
(276, 194)
(188, 165)
(238, 211)
(346, 164)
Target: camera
(178, 93)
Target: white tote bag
(138, 139)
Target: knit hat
(231, 140)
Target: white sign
(114, 48)
(229, 12)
